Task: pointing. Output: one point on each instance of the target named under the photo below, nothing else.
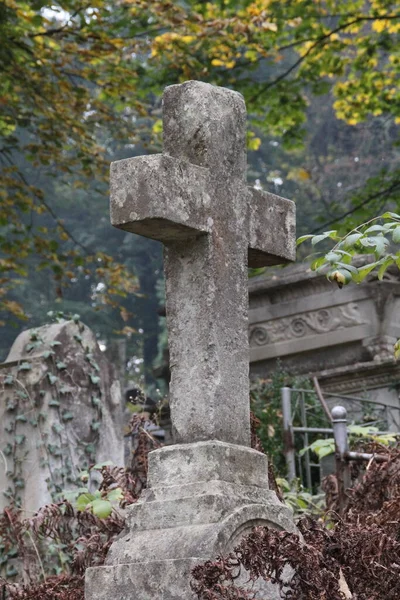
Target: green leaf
(52, 378)
(384, 266)
(303, 238)
(350, 240)
(57, 427)
(55, 403)
(72, 495)
(396, 235)
(378, 242)
(318, 262)
(94, 379)
(325, 451)
(21, 418)
(7, 450)
(363, 430)
(115, 495)
(390, 215)
(55, 343)
(380, 247)
(48, 353)
(84, 500)
(353, 270)
(321, 447)
(364, 271)
(61, 365)
(19, 439)
(101, 508)
(67, 416)
(374, 228)
(25, 366)
(333, 257)
(323, 236)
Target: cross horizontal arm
(159, 197)
(272, 235)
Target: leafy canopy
(81, 81)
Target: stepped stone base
(202, 499)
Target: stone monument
(60, 411)
(344, 337)
(210, 488)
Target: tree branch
(392, 188)
(47, 207)
(319, 41)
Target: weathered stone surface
(184, 519)
(208, 491)
(194, 199)
(54, 419)
(343, 336)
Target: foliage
(73, 74)
(377, 241)
(358, 554)
(62, 539)
(68, 79)
(266, 404)
(300, 500)
(357, 434)
(373, 239)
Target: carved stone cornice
(360, 376)
(304, 324)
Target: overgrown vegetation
(357, 553)
(355, 556)
(266, 404)
(51, 551)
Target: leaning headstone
(60, 411)
(210, 488)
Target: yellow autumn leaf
(254, 143)
(380, 24)
(299, 174)
(158, 126)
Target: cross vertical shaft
(206, 279)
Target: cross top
(194, 199)
(206, 126)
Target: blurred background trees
(81, 86)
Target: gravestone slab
(209, 489)
(60, 410)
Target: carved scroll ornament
(304, 324)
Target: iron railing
(296, 407)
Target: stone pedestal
(202, 499)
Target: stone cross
(194, 199)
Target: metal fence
(302, 406)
